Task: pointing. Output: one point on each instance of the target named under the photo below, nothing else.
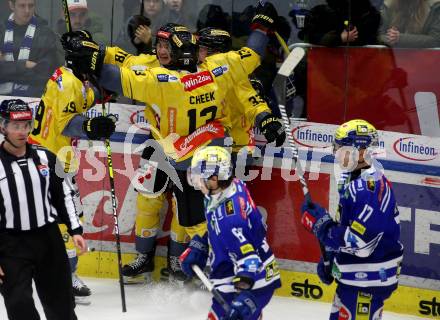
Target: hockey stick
(67, 16)
(115, 214)
(279, 84)
(110, 170)
(208, 284)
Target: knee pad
(148, 215)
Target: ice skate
(140, 270)
(80, 291)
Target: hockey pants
(351, 304)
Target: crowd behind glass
(38, 24)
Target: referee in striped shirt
(33, 199)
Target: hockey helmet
(207, 162)
(356, 133)
(183, 46)
(216, 40)
(15, 110)
(82, 54)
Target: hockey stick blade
(292, 60)
(210, 286)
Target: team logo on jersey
(196, 80)
(229, 207)
(57, 78)
(371, 184)
(243, 208)
(219, 71)
(44, 170)
(166, 78)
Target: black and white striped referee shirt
(32, 194)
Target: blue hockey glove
(243, 307)
(196, 253)
(324, 271)
(316, 219)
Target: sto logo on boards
(306, 290)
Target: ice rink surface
(160, 301)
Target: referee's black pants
(39, 255)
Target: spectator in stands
(411, 23)
(213, 16)
(333, 25)
(139, 32)
(179, 12)
(82, 19)
(27, 51)
(130, 7)
(156, 12)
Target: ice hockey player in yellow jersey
(190, 101)
(149, 202)
(244, 116)
(60, 120)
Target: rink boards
(411, 162)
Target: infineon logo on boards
(412, 148)
(313, 136)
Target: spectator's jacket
(429, 37)
(43, 52)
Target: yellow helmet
(356, 133)
(210, 161)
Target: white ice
(163, 302)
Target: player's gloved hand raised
(243, 307)
(266, 17)
(196, 253)
(272, 130)
(316, 219)
(83, 55)
(324, 271)
(100, 127)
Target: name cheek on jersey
(203, 98)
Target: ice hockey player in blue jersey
(362, 246)
(243, 267)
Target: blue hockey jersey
(237, 239)
(366, 243)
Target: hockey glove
(99, 127)
(243, 307)
(265, 18)
(83, 55)
(324, 271)
(196, 253)
(316, 219)
(272, 130)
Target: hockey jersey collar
(4, 154)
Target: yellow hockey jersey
(243, 103)
(192, 105)
(121, 58)
(65, 96)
